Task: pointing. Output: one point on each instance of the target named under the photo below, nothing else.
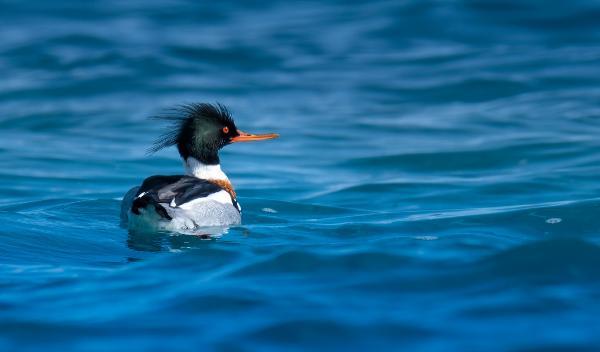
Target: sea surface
(435, 186)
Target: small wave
(556, 260)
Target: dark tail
(147, 200)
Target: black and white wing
(173, 196)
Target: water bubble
(269, 210)
(554, 220)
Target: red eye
(225, 129)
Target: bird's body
(173, 203)
(203, 198)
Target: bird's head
(201, 130)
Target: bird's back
(179, 203)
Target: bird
(201, 198)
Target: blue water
(435, 186)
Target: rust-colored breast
(226, 185)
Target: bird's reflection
(168, 241)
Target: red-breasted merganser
(204, 196)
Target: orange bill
(248, 137)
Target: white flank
(222, 197)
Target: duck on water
(203, 197)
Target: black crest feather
(182, 116)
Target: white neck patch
(195, 168)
